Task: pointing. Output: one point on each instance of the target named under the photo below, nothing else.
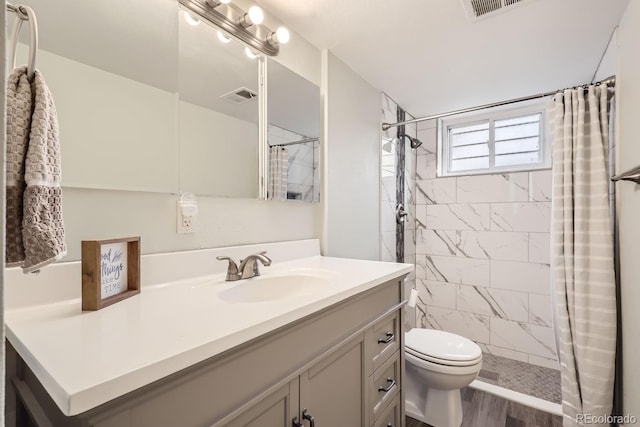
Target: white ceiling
(430, 58)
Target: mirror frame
(263, 128)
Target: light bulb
(191, 20)
(256, 16)
(283, 36)
(250, 53)
(223, 38)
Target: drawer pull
(296, 423)
(391, 382)
(389, 425)
(307, 416)
(388, 339)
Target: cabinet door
(333, 390)
(275, 410)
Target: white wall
(607, 66)
(100, 214)
(628, 93)
(351, 196)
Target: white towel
(35, 227)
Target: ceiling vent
(240, 95)
(477, 9)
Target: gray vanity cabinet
(275, 410)
(331, 392)
(343, 364)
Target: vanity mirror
(293, 112)
(114, 82)
(219, 111)
(154, 103)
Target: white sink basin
(274, 287)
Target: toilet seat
(442, 347)
(420, 363)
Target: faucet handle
(232, 268)
(226, 258)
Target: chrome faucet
(248, 267)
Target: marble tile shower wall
(303, 164)
(411, 162)
(483, 257)
(388, 181)
(388, 197)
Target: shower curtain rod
(385, 126)
(302, 141)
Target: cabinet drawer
(384, 340)
(390, 417)
(385, 384)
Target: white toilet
(438, 365)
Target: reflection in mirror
(219, 109)
(114, 83)
(293, 110)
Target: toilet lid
(440, 345)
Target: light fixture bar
(227, 18)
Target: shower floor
(533, 380)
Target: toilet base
(443, 408)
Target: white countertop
(85, 359)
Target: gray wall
(628, 93)
(351, 188)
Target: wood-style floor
(482, 409)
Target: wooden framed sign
(110, 271)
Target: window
(498, 141)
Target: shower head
(415, 142)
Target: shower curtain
(278, 173)
(583, 253)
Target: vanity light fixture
(223, 38)
(245, 26)
(255, 16)
(250, 54)
(191, 20)
(216, 3)
(280, 36)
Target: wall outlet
(186, 217)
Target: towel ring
(25, 13)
